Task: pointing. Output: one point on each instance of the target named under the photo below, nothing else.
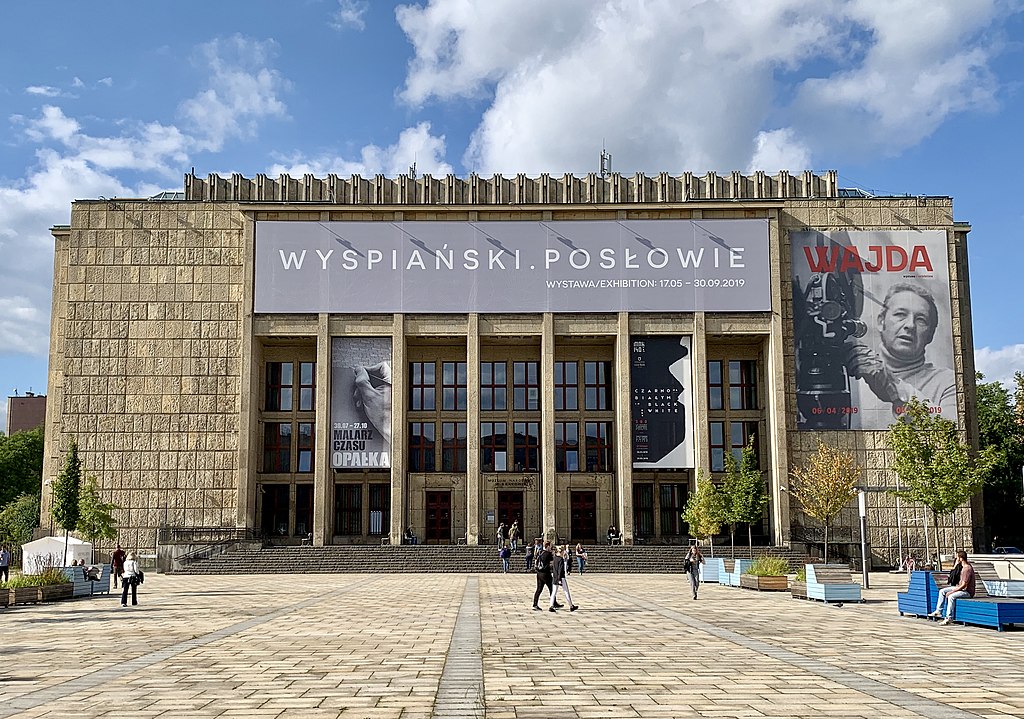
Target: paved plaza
(435, 645)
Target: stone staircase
(446, 558)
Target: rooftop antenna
(412, 169)
(606, 162)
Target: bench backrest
(832, 574)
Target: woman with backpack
(691, 565)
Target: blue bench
(922, 596)
(733, 569)
(84, 587)
(831, 583)
(712, 570)
(922, 593)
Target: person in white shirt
(130, 578)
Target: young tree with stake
(826, 484)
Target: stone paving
(421, 646)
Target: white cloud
(242, 90)
(1000, 363)
(77, 82)
(415, 144)
(43, 90)
(691, 85)
(350, 15)
(105, 81)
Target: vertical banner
(662, 402)
(873, 326)
(360, 402)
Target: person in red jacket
(117, 558)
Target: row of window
(285, 383)
(525, 447)
(276, 519)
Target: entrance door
(583, 517)
(510, 509)
(274, 519)
(439, 518)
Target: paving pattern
(451, 646)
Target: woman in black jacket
(542, 564)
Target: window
(597, 388)
(421, 386)
(380, 508)
(303, 509)
(717, 443)
(493, 446)
(453, 385)
(567, 447)
(348, 508)
(307, 386)
(673, 502)
(599, 447)
(277, 447)
(279, 386)
(566, 386)
(739, 434)
(453, 447)
(525, 385)
(643, 509)
(493, 388)
(305, 449)
(421, 446)
(742, 384)
(715, 385)
(526, 446)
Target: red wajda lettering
(889, 258)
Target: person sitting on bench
(614, 535)
(964, 588)
(409, 537)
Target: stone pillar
(249, 434)
(399, 393)
(701, 436)
(547, 424)
(322, 494)
(473, 429)
(623, 430)
(778, 464)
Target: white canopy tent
(49, 552)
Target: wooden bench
(831, 583)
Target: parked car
(1006, 550)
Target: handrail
(193, 535)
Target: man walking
(5, 564)
(117, 558)
(964, 588)
(543, 563)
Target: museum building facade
(340, 360)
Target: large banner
(584, 266)
(360, 402)
(662, 403)
(873, 328)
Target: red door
(583, 517)
(439, 518)
(510, 509)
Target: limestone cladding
(145, 360)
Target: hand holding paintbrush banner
(372, 393)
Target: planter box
(778, 583)
(798, 589)
(24, 595)
(55, 592)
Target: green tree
(96, 520)
(1001, 427)
(66, 493)
(826, 485)
(743, 492)
(705, 510)
(18, 519)
(935, 466)
(21, 465)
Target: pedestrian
(501, 534)
(131, 578)
(513, 535)
(691, 565)
(5, 564)
(560, 578)
(117, 558)
(581, 558)
(543, 562)
(965, 587)
(505, 554)
(529, 557)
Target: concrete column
(778, 463)
(322, 494)
(547, 424)
(399, 393)
(249, 430)
(473, 429)
(701, 435)
(623, 430)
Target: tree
(18, 519)
(1001, 427)
(934, 464)
(21, 465)
(66, 490)
(743, 492)
(705, 510)
(96, 521)
(826, 484)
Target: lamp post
(863, 505)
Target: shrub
(801, 574)
(769, 567)
(47, 577)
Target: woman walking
(581, 558)
(563, 563)
(130, 579)
(691, 565)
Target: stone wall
(145, 360)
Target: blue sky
(918, 97)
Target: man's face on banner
(907, 325)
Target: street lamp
(863, 505)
